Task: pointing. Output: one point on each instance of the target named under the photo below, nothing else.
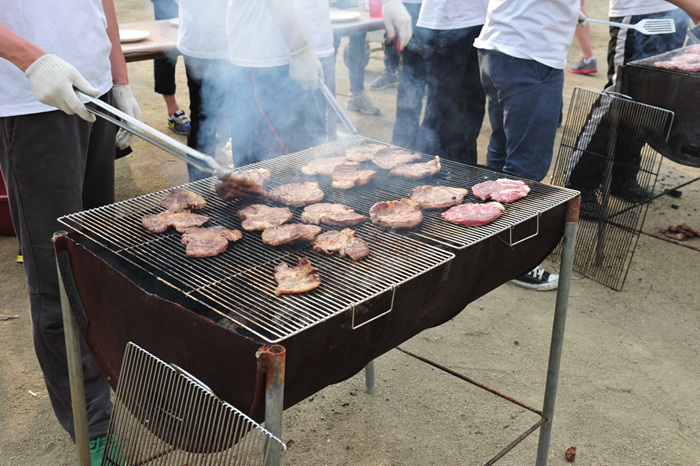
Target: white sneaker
(537, 279)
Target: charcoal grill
(674, 90)
(212, 316)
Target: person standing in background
(356, 57)
(456, 103)
(522, 54)
(588, 63)
(202, 42)
(164, 73)
(57, 162)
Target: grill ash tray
(239, 284)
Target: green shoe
(113, 456)
(97, 450)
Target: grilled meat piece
(303, 277)
(337, 215)
(391, 156)
(180, 219)
(417, 171)
(257, 217)
(346, 176)
(244, 184)
(208, 242)
(502, 190)
(324, 166)
(181, 199)
(473, 215)
(289, 233)
(343, 242)
(364, 152)
(297, 194)
(438, 197)
(396, 215)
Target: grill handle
(199, 160)
(391, 308)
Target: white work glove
(53, 79)
(582, 18)
(397, 22)
(305, 67)
(125, 101)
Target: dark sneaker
(537, 279)
(179, 122)
(585, 66)
(590, 206)
(630, 191)
(359, 102)
(385, 80)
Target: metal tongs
(333, 102)
(201, 161)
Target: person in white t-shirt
(456, 103)
(56, 159)
(522, 54)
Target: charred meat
(346, 176)
(323, 166)
(391, 156)
(438, 197)
(502, 190)
(297, 194)
(303, 277)
(364, 152)
(181, 199)
(337, 215)
(396, 215)
(474, 215)
(417, 171)
(343, 242)
(208, 242)
(289, 233)
(243, 184)
(257, 217)
(180, 219)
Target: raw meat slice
(208, 242)
(289, 233)
(297, 194)
(346, 176)
(343, 242)
(396, 214)
(473, 215)
(417, 171)
(391, 156)
(337, 215)
(501, 190)
(257, 217)
(180, 219)
(363, 153)
(324, 166)
(243, 184)
(303, 277)
(438, 197)
(181, 199)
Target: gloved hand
(582, 18)
(397, 21)
(53, 79)
(305, 67)
(125, 101)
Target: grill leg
(555, 348)
(369, 377)
(274, 399)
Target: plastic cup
(375, 8)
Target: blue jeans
(524, 100)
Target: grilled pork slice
(502, 190)
(257, 217)
(417, 171)
(438, 197)
(244, 184)
(297, 194)
(337, 215)
(303, 277)
(343, 242)
(363, 153)
(289, 233)
(208, 242)
(346, 176)
(391, 156)
(323, 166)
(474, 215)
(396, 214)
(180, 219)
(181, 199)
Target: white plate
(132, 35)
(174, 21)
(344, 16)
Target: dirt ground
(628, 387)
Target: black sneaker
(537, 279)
(590, 206)
(630, 191)
(385, 80)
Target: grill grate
(239, 284)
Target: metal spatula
(645, 26)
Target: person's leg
(195, 69)
(356, 58)
(75, 172)
(392, 58)
(496, 152)
(245, 117)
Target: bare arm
(18, 50)
(285, 18)
(116, 57)
(692, 7)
